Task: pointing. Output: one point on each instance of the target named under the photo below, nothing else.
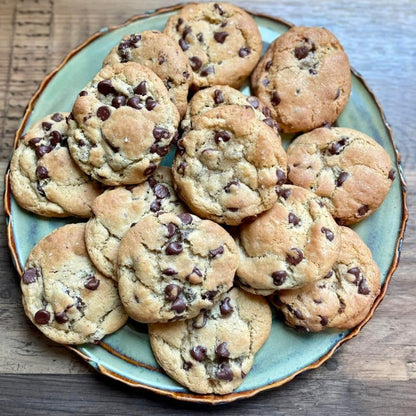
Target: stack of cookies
(198, 250)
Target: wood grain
(373, 374)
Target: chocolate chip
(281, 177)
(200, 321)
(337, 94)
(172, 292)
(42, 317)
(187, 365)
(123, 45)
(40, 190)
(222, 351)
(174, 248)
(224, 372)
(233, 209)
(200, 37)
(197, 271)
(328, 233)
(216, 252)
(159, 133)
(57, 117)
(160, 150)
(92, 283)
(33, 142)
(103, 113)
(141, 89)
(219, 9)
(227, 188)
(162, 60)
(134, 102)
(363, 210)
(210, 295)
(171, 229)
(30, 276)
(275, 99)
(220, 36)
(268, 65)
(198, 353)
(293, 219)
(43, 150)
(329, 274)
(155, 206)
(56, 138)
(178, 305)
(226, 307)
(61, 317)
(150, 169)
(392, 175)
(221, 136)
(279, 277)
(42, 172)
(324, 320)
(355, 271)
(186, 32)
(150, 103)
(272, 123)
(185, 74)
(46, 126)
(298, 314)
(105, 87)
(207, 70)
(161, 191)
(218, 97)
(301, 52)
(313, 71)
(244, 51)
(181, 148)
(178, 24)
(169, 271)
(184, 46)
(363, 288)
(294, 259)
(181, 168)
(185, 218)
(283, 192)
(341, 178)
(336, 147)
(83, 93)
(134, 38)
(253, 101)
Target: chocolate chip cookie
(43, 177)
(342, 298)
(64, 295)
(117, 209)
(124, 124)
(304, 78)
(163, 56)
(227, 166)
(294, 243)
(213, 352)
(173, 266)
(222, 42)
(349, 170)
(218, 95)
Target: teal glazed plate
(126, 355)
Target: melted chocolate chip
(105, 87)
(159, 133)
(275, 99)
(221, 136)
(103, 113)
(222, 351)
(218, 97)
(363, 210)
(279, 277)
(185, 218)
(199, 353)
(150, 169)
(328, 233)
(363, 288)
(184, 45)
(42, 172)
(244, 51)
(281, 177)
(216, 252)
(57, 117)
(294, 259)
(207, 70)
(61, 317)
(46, 126)
(30, 276)
(341, 178)
(42, 317)
(92, 283)
(141, 89)
(224, 372)
(392, 175)
(293, 219)
(220, 36)
(150, 103)
(161, 191)
(178, 305)
(172, 292)
(336, 147)
(174, 248)
(134, 102)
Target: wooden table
(373, 374)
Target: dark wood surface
(373, 374)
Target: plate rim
(190, 396)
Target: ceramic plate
(126, 355)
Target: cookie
(43, 177)
(227, 166)
(213, 352)
(163, 56)
(341, 299)
(173, 266)
(124, 124)
(349, 170)
(304, 78)
(117, 209)
(294, 243)
(222, 42)
(218, 95)
(64, 295)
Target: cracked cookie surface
(172, 266)
(63, 293)
(304, 78)
(213, 352)
(349, 170)
(340, 300)
(124, 124)
(163, 56)
(293, 243)
(222, 42)
(227, 166)
(117, 209)
(43, 177)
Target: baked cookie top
(227, 166)
(341, 299)
(349, 170)
(117, 209)
(213, 352)
(124, 124)
(163, 56)
(304, 78)
(222, 42)
(294, 243)
(64, 295)
(218, 95)
(43, 177)
(173, 266)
